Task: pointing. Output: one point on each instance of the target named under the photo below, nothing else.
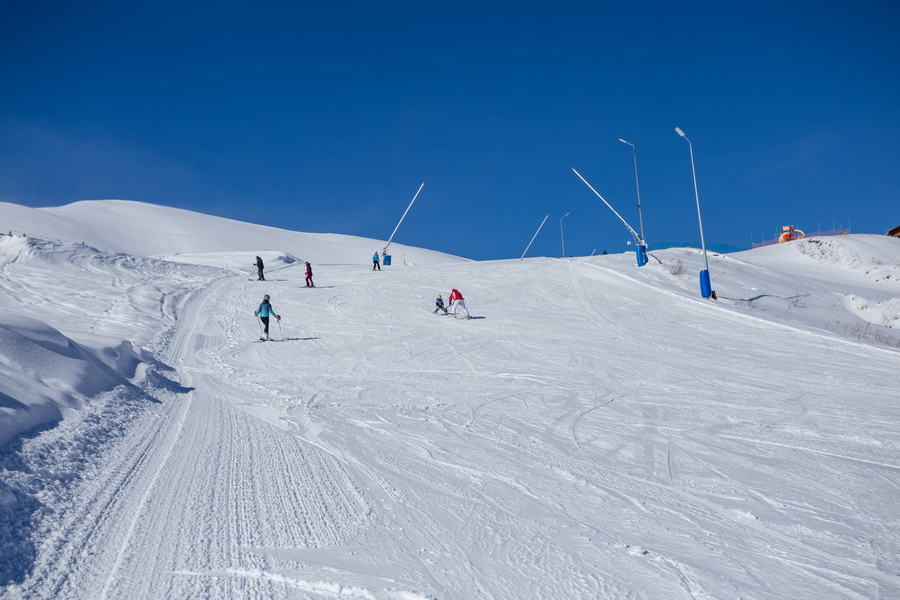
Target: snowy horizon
(596, 430)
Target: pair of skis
(265, 336)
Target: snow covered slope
(596, 430)
(142, 229)
(849, 285)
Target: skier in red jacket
(457, 302)
(309, 281)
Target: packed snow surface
(595, 430)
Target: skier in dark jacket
(439, 305)
(259, 268)
(309, 281)
(265, 311)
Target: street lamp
(705, 286)
(563, 237)
(638, 185)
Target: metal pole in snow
(705, 286)
(534, 236)
(637, 184)
(384, 252)
(696, 195)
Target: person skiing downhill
(375, 263)
(458, 302)
(309, 280)
(265, 311)
(259, 269)
(439, 305)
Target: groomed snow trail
(378, 451)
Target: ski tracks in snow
(391, 454)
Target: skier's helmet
(439, 295)
(266, 297)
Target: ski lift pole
(534, 236)
(388, 245)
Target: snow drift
(43, 373)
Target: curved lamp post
(705, 286)
(638, 186)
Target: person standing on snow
(458, 302)
(265, 311)
(439, 305)
(309, 281)
(259, 269)
(375, 263)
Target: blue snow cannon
(705, 286)
(641, 252)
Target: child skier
(439, 305)
(309, 281)
(375, 263)
(265, 311)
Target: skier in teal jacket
(265, 311)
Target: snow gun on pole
(641, 244)
(534, 236)
(388, 245)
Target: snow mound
(885, 313)
(872, 255)
(43, 373)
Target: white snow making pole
(641, 246)
(637, 238)
(388, 245)
(532, 238)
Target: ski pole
(258, 322)
(280, 330)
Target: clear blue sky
(326, 117)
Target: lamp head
(680, 132)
